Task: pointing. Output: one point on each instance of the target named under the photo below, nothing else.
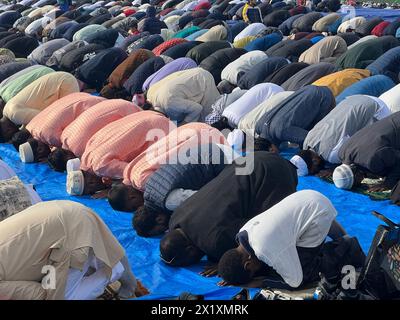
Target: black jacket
(217, 61)
(376, 148)
(213, 216)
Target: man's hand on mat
(223, 283)
(100, 195)
(324, 173)
(377, 188)
(210, 271)
(141, 290)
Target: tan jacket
(184, 89)
(326, 50)
(39, 95)
(216, 33)
(57, 233)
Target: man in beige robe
(185, 96)
(325, 50)
(34, 98)
(46, 249)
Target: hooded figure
(151, 23)
(387, 64)
(18, 81)
(306, 22)
(216, 33)
(308, 75)
(218, 60)
(47, 126)
(250, 100)
(106, 38)
(351, 24)
(295, 116)
(275, 179)
(347, 118)
(9, 17)
(392, 98)
(9, 69)
(179, 64)
(365, 28)
(275, 18)
(349, 37)
(374, 148)
(322, 24)
(148, 42)
(178, 142)
(261, 72)
(74, 58)
(61, 29)
(67, 236)
(326, 50)
(247, 124)
(391, 29)
(83, 33)
(95, 71)
(34, 98)
(180, 50)
(286, 26)
(380, 28)
(364, 53)
(281, 75)
(125, 69)
(240, 66)
(185, 96)
(204, 50)
(264, 43)
(55, 59)
(76, 135)
(134, 84)
(42, 53)
(251, 30)
(112, 148)
(159, 50)
(372, 86)
(22, 46)
(340, 80)
(290, 49)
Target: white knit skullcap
(73, 164)
(26, 152)
(75, 183)
(343, 177)
(301, 165)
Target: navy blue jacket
(296, 115)
(387, 64)
(261, 71)
(173, 176)
(135, 82)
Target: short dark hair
(117, 197)
(221, 124)
(177, 250)
(231, 268)
(34, 145)
(261, 144)
(20, 137)
(147, 106)
(307, 156)
(57, 161)
(144, 221)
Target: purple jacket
(174, 66)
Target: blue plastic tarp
(143, 253)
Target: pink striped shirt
(75, 137)
(49, 124)
(168, 149)
(110, 149)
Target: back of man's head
(177, 250)
(231, 268)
